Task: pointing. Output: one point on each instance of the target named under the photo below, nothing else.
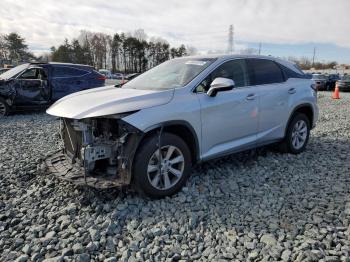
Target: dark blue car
(38, 85)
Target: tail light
(101, 77)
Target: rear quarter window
(66, 71)
(265, 72)
(289, 73)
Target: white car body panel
(277, 103)
(183, 107)
(107, 101)
(231, 116)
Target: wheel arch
(7, 104)
(304, 109)
(181, 128)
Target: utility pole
(230, 40)
(259, 48)
(313, 57)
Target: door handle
(250, 97)
(292, 90)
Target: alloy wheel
(299, 134)
(165, 168)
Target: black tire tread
(285, 145)
(3, 101)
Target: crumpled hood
(107, 101)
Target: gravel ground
(257, 205)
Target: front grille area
(72, 139)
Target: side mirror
(220, 84)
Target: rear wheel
(159, 173)
(4, 108)
(297, 135)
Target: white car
(187, 110)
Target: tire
(289, 145)
(4, 108)
(146, 166)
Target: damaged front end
(97, 152)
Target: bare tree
(140, 35)
(129, 52)
(191, 50)
(3, 48)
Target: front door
(230, 119)
(32, 87)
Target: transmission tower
(259, 48)
(230, 40)
(313, 57)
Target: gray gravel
(257, 205)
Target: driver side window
(33, 74)
(29, 74)
(235, 70)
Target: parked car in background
(344, 83)
(131, 76)
(106, 73)
(187, 110)
(308, 75)
(320, 81)
(38, 85)
(331, 80)
(3, 70)
(120, 81)
(117, 76)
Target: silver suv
(152, 130)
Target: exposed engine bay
(97, 151)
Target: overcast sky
(284, 27)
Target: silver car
(150, 132)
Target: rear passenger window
(265, 72)
(65, 71)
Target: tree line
(306, 63)
(13, 49)
(122, 52)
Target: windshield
(171, 74)
(319, 77)
(14, 71)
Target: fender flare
(183, 123)
(293, 112)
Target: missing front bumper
(61, 166)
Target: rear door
(67, 80)
(274, 94)
(229, 120)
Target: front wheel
(297, 135)
(159, 173)
(4, 108)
